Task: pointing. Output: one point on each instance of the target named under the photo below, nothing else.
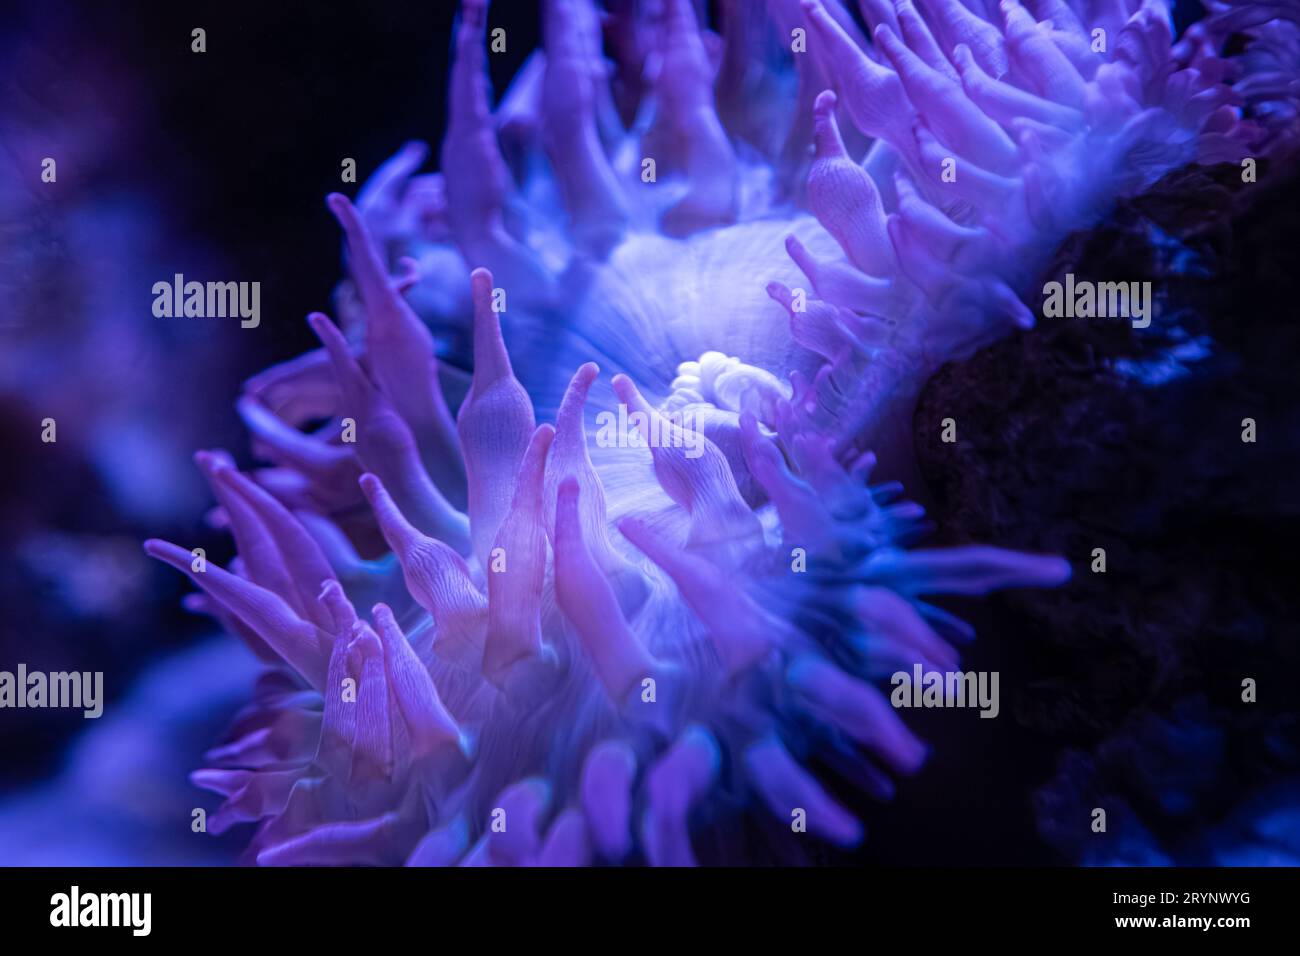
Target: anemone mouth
(580, 640)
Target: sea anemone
(592, 645)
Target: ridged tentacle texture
(494, 641)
